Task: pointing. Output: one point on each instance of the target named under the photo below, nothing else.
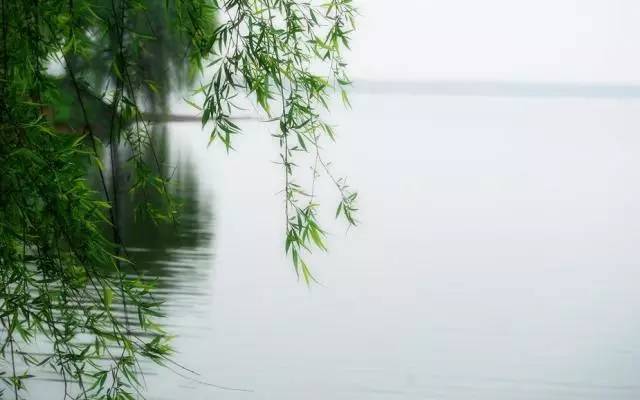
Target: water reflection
(178, 256)
(155, 248)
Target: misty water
(497, 257)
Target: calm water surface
(497, 258)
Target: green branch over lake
(79, 80)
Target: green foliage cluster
(270, 50)
(62, 260)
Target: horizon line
(500, 88)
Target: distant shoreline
(499, 89)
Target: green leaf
(107, 296)
(315, 236)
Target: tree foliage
(64, 273)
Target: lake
(497, 257)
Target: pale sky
(587, 41)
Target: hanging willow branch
(271, 49)
(64, 273)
